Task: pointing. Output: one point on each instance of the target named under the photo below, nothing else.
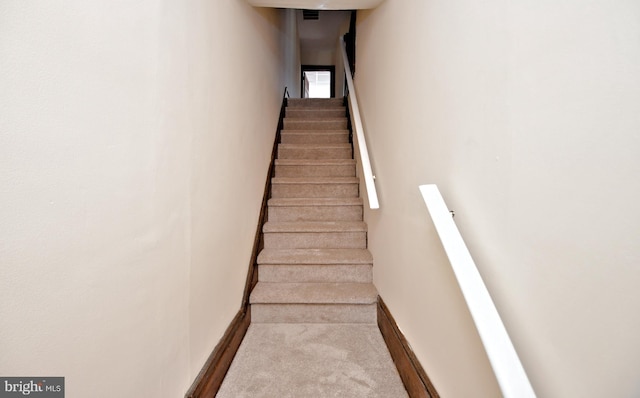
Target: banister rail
(361, 143)
(512, 379)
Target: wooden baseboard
(413, 376)
(208, 381)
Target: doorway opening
(318, 81)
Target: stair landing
(312, 360)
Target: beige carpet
(312, 360)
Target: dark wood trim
(258, 241)
(208, 381)
(319, 68)
(413, 376)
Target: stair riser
(315, 213)
(298, 113)
(314, 313)
(314, 190)
(319, 103)
(356, 273)
(315, 138)
(295, 124)
(315, 240)
(314, 152)
(347, 170)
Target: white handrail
(359, 134)
(504, 360)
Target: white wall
(134, 141)
(526, 115)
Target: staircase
(315, 266)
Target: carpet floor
(312, 360)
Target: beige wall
(291, 45)
(526, 116)
(134, 141)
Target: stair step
(315, 113)
(318, 273)
(314, 209)
(313, 303)
(315, 151)
(315, 137)
(318, 124)
(315, 102)
(314, 293)
(315, 256)
(315, 265)
(316, 234)
(315, 226)
(314, 313)
(315, 168)
(314, 187)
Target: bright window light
(319, 84)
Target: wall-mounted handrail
(512, 379)
(367, 172)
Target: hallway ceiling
(318, 4)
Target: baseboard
(413, 376)
(208, 381)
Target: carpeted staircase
(314, 330)
(315, 266)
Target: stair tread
(314, 145)
(291, 131)
(316, 119)
(314, 180)
(315, 256)
(314, 226)
(313, 293)
(331, 108)
(276, 202)
(314, 102)
(328, 108)
(314, 162)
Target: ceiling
(318, 4)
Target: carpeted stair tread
(314, 162)
(333, 123)
(314, 136)
(294, 202)
(315, 102)
(315, 256)
(315, 113)
(315, 226)
(317, 120)
(336, 131)
(302, 209)
(315, 151)
(314, 180)
(314, 293)
(340, 146)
